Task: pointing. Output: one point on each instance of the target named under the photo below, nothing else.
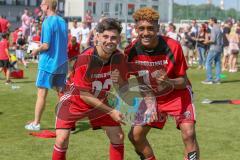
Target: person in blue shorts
(52, 67)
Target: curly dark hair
(109, 24)
(146, 13)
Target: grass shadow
(231, 81)
(80, 126)
(25, 82)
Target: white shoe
(207, 82)
(32, 127)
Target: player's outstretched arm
(97, 103)
(177, 83)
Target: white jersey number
(97, 86)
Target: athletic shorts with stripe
(69, 112)
(178, 105)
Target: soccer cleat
(32, 127)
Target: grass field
(218, 128)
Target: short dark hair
(173, 26)
(214, 19)
(109, 24)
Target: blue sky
(228, 3)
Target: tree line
(202, 12)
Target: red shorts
(178, 105)
(70, 112)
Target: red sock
(151, 158)
(59, 153)
(116, 152)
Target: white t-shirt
(84, 32)
(76, 32)
(172, 35)
(26, 20)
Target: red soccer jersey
(167, 55)
(4, 25)
(15, 35)
(3, 46)
(36, 38)
(73, 50)
(92, 75)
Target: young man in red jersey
(95, 70)
(73, 48)
(160, 61)
(5, 57)
(73, 52)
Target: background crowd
(194, 38)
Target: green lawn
(217, 126)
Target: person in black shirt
(20, 48)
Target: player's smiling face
(109, 40)
(147, 33)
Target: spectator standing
(14, 36)
(5, 57)
(88, 19)
(4, 25)
(76, 31)
(73, 52)
(233, 39)
(190, 46)
(214, 53)
(172, 32)
(52, 66)
(26, 22)
(20, 49)
(195, 27)
(128, 32)
(84, 36)
(201, 46)
(226, 30)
